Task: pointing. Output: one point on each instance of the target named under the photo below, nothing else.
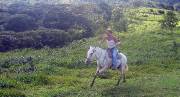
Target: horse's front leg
(103, 69)
(97, 70)
(92, 83)
(96, 74)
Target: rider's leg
(114, 58)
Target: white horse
(104, 62)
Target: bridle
(88, 59)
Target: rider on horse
(112, 41)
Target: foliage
(6, 84)
(106, 11)
(177, 6)
(38, 79)
(65, 20)
(12, 93)
(18, 8)
(170, 20)
(44, 15)
(120, 22)
(37, 39)
(161, 12)
(20, 23)
(61, 72)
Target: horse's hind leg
(124, 71)
(124, 78)
(118, 82)
(120, 77)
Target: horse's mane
(100, 48)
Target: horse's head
(90, 55)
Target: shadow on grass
(123, 91)
(66, 94)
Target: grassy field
(154, 66)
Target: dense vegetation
(24, 26)
(75, 21)
(58, 69)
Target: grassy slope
(154, 69)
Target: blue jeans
(114, 52)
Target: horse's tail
(126, 67)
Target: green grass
(154, 66)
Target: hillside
(169, 4)
(154, 66)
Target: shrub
(39, 39)
(151, 10)
(120, 22)
(35, 79)
(161, 11)
(106, 10)
(11, 93)
(17, 7)
(65, 20)
(20, 23)
(170, 21)
(5, 84)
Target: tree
(20, 23)
(18, 7)
(170, 21)
(119, 20)
(177, 6)
(106, 11)
(65, 20)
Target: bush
(39, 39)
(17, 7)
(151, 10)
(20, 23)
(6, 63)
(177, 6)
(120, 22)
(4, 84)
(170, 21)
(38, 79)
(161, 12)
(11, 93)
(66, 20)
(106, 10)
(19, 64)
